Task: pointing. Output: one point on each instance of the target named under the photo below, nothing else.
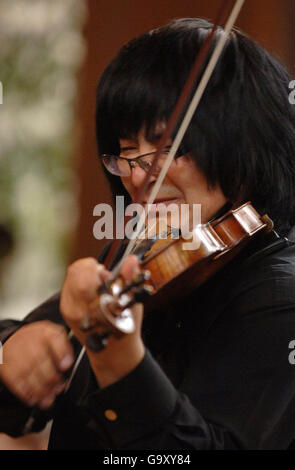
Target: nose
(137, 176)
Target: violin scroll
(111, 310)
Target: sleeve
(14, 414)
(145, 411)
(240, 389)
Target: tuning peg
(97, 342)
(141, 294)
(105, 288)
(137, 280)
(125, 300)
(142, 276)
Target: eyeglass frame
(136, 159)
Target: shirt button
(111, 415)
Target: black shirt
(216, 374)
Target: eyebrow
(127, 148)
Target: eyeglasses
(122, 166)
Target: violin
(169, 272)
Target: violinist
(209, 370)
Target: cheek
(184, 174)
(127, 184)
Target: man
(210, 371)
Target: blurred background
(51, 55)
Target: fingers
(84, 277)
(43, 384)
(130, 267)
(61, 350)
(80, 289)
(80, 297)
(37, 383)
(103, 273)
(37, 355)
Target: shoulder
(270, 271)
(262, 282)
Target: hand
(35, 358)
(79, 291)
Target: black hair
(242, 136)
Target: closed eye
(125, 151)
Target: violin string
(183, 127)
(175, 145)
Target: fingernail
(66, 362)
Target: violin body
(176, 272)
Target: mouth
(164, 200)
(162, 206)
